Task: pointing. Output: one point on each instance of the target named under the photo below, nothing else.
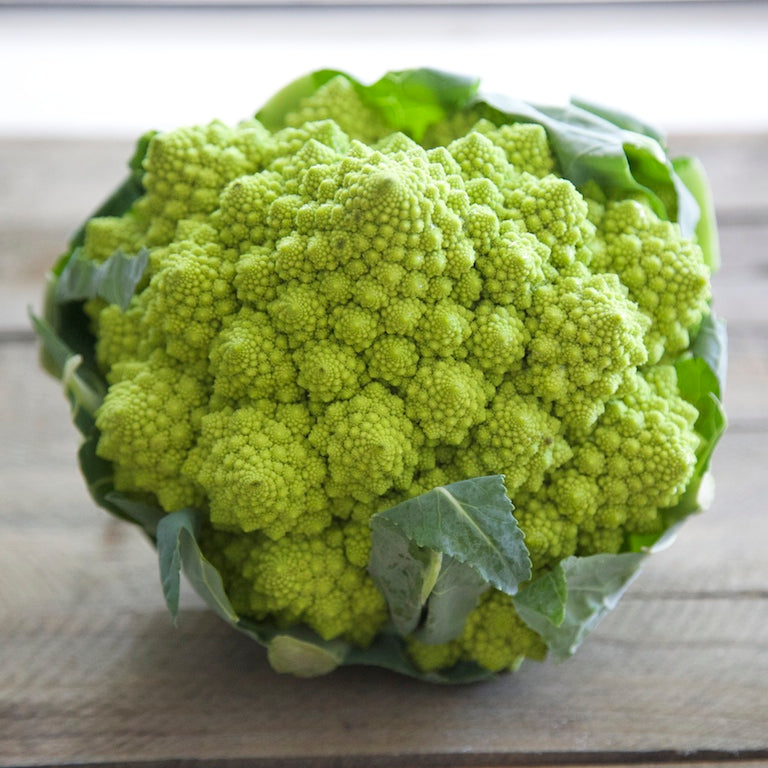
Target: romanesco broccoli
(340, 314)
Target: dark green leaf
(472, 521)
(98, 472)
(453, 597)
(114, 280)
(177, 548)
(593, 587)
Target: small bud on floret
(370, 445)
(257, 473)
(148, 424)
(665, 273)
(329, 371)
(586, 340)
(446, 399)
(251, 360)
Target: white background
(115, 72)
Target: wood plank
(679, 676)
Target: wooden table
(92, 672)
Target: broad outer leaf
(472, 521)
(144, 515)
(593, 587)
(545, 596)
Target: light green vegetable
(398, 374)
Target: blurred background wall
(113, 69)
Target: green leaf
(114, 280)
(545, 596)
(711, 345)
(142, 514)
(593, 587)
(692, 174)
(412, 100)
(472, 521)
(177, 548)
(621, 119)
(451, 600)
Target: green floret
(340, 322)
(186, 169)
(392, 359)
(525, 145)
(518, 439)
(515, 264)
(369, 444)
(446, 399)
(648, 447)
(241, 218)
(552, 209)
(191, 292)
(329, 371)
(119, 334)
(106, 234)
(586, 342)
(549, 535)
(303, 580)
(498, 340)
(149, 422)
(665, 273)
(258, 473)
(250, 360)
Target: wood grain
(92, 671)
